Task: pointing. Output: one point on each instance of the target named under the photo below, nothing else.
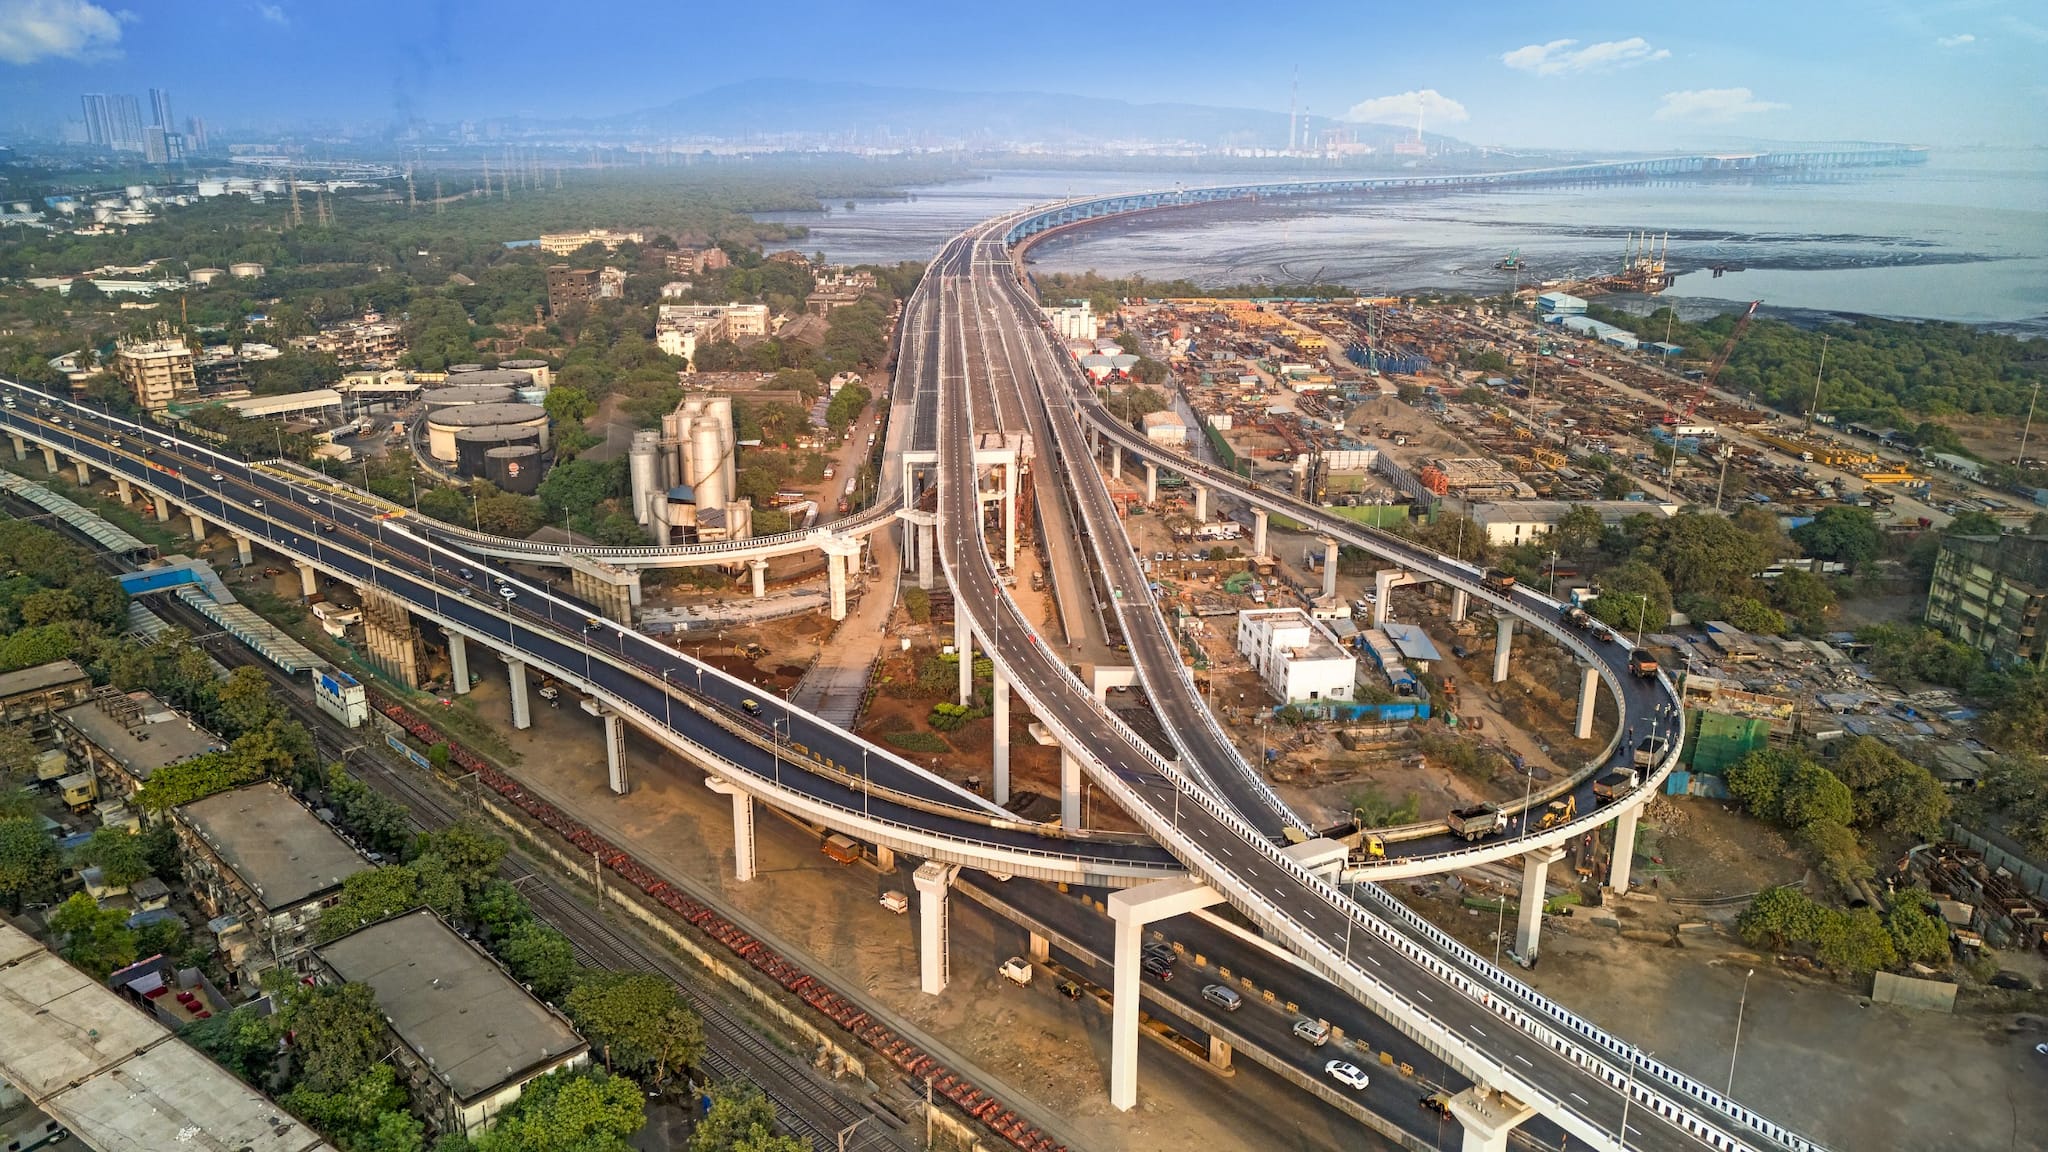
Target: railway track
(808, 1107)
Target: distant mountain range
(876, 115)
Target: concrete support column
(1529, 920)
(1116, 461)
(1461, 603)
(49, 460)
(522, 715)
(1624, 848)
(963, 644)
(1040, 949)
(615, 752)
(934, 964)
(458, 662)
(760, 572)
(1259, 531)
(1219, 1052)
(742, 828)
(1201, 504)
(198, 527)
(1503, 645)
(20, 447)
(1070, 791)
(1010, 514)
(1487, 1118)
(1151, 482)
(927, 557)
(309, 576)
(84, 473)
(123, 489)
(245, 553)
(1329, 568)
(1001, 734)
(1589, 694)
(1130, 910)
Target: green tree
(638, 1021)
(540, 958)
(122, 858)
(336, 1030)
(29, 862)
(569, 1111)
(740, 1119)
(96, 939)
(1844, 534)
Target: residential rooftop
(273, 843)
(451, 1004)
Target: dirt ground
(1032, 1045)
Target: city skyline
(1604, 77)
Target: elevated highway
(1215, 816)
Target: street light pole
(1737, 1046)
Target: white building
(1510, 522)
(1298, 657)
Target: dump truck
(1477, 821)
(1616, 784)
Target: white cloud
(1712, 105)
(1560, 57)
(1435, 107)
(1955, 41)
(272, 13)
(32, 30)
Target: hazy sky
(1593, 74)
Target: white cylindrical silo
(708, 464)
(643, 471)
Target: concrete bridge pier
(1589, 694)
(522, 713)
(615, 752)
(245, 552)
(1487, 1117)
(1259, 519)
(1201, 504)
(1001, 734)
(1070, 791)
(1461, 605)
(742, 827)
(49, 460)
(1503, 646)
(1130, 910)
(759, 568)
(1529, 920)
(458, 662)
(1624, 848)
(1151, 482)
(934, 961)
(1329, 568)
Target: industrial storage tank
(543, 376)
(473, 445)
(457, 396)
(443, 424)
(514, 467)
(643, 464)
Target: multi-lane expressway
(1214, 815)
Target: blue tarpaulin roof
(1413, 642)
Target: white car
(1347, 1074)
